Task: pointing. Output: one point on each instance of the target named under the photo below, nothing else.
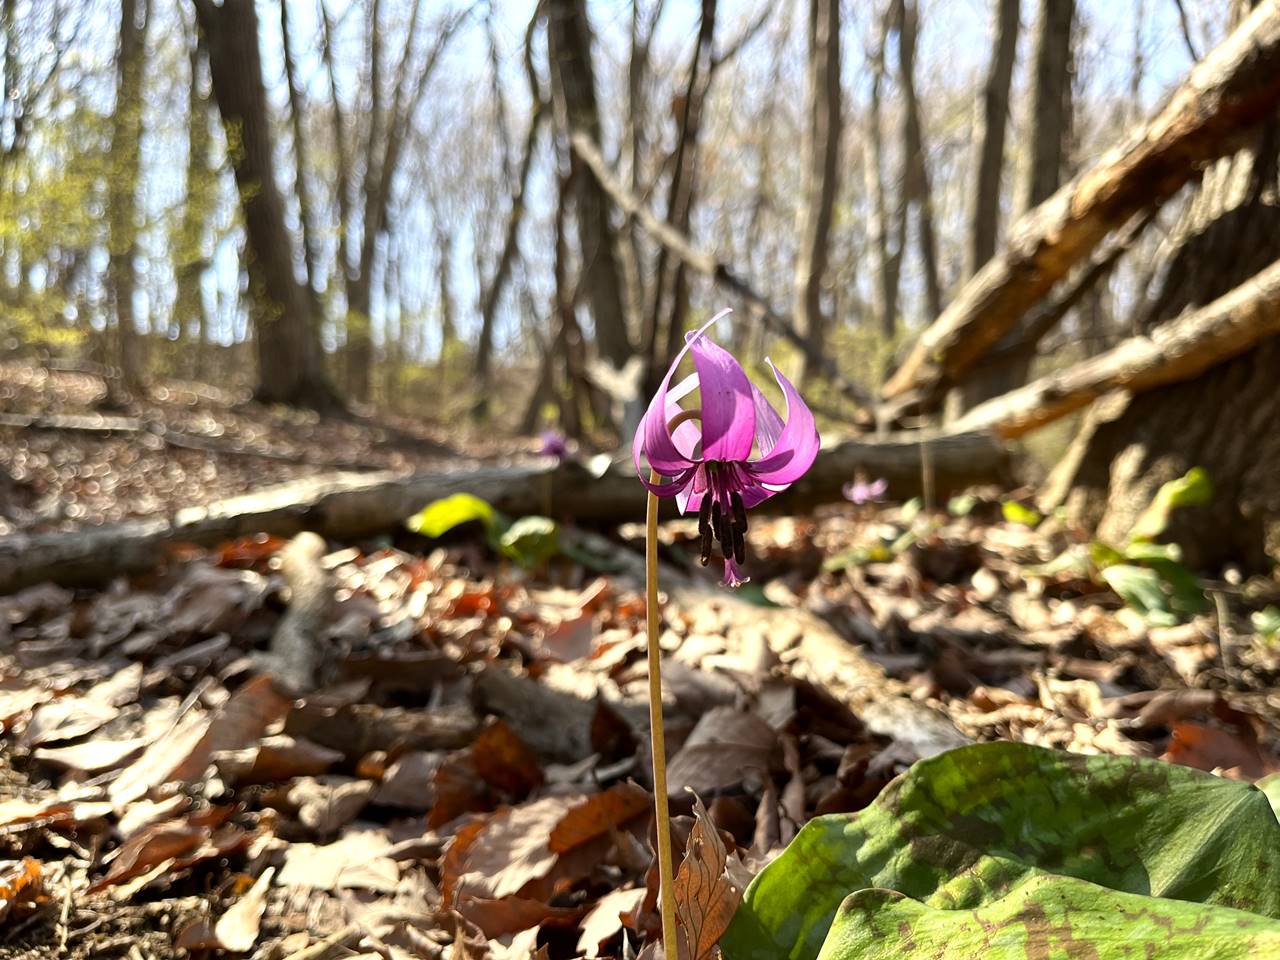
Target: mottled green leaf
(1043, 919)
(440, 516)
(967, 830)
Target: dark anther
(739, 512)
(717, 522)
(704, 529)
(739, 544)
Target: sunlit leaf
(1267, 623)
(531, 541)
(1016, 512)
(440, 516)
(1193, 489)
(1142, 589)
(988, 851)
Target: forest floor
(67, 459)
(472, 777)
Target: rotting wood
(1177, 350)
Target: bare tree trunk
(491, 295)
(574, 92)
(189, 259)
(301, 144)
(821, 153)
(671, 287)
(290, 367)
(989, 136)
(886, 250)
(916, 179)
(125, 160)
(1050, 101)
(1049, 110)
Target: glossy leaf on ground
(1001, 827)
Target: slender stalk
(657, 739)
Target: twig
(322, 948)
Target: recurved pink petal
(797, 445)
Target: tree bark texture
(989, 136)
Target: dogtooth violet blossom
(703, 457)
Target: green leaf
(1079, 919)
(1143, 551)
(531, 541)
(857, 556)
(1191, 490)
(962, 504)
(911, 509)
(1267, 623)
(1142, 589)
(1025, 839)
(440, 516)
(1015, 512)
(1104, 555)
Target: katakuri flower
(859, 491)
(734, 452)
(555, 444)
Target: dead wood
(346, 506)
(1175, 351)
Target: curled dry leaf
(326, 804)
(706, 896)
(278, 757)
(504, 761)
(407, 782)
(21, 815)
(93, 756)
(176, 845)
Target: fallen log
(346, 506)
(1231, 90)
(1174, 351)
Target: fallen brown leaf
(726, 747)
(355, 861)
(604, 922)
(21, 888)
(706, 898)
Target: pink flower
(704, 458)
(554, 444)
(860, 492)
